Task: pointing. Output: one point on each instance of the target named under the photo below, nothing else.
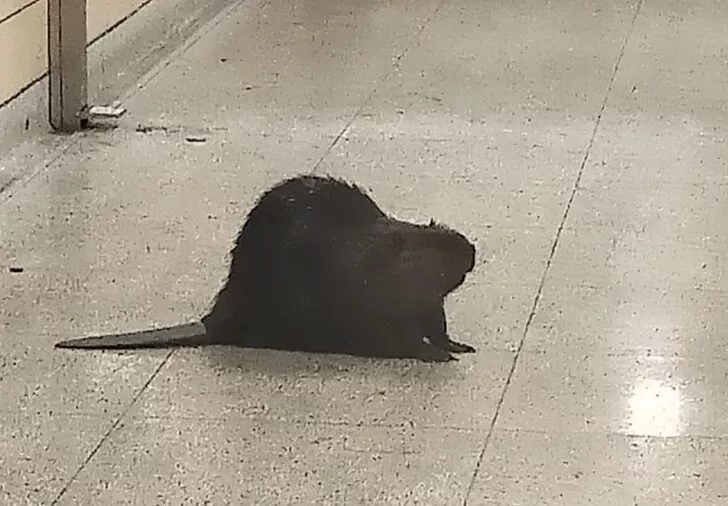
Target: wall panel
(23, 37)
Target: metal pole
(67, 74)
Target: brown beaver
(319, 267)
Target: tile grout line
(552, 253)
(397, 59)
(116, 424)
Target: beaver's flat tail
(190, 334)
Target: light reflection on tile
(577, 390)
(655, 408)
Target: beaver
(317, 266)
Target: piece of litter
(106, 111)
(15, 270)
(195, 138)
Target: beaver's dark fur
(319, 267)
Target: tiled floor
(581, 144)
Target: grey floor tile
(624, 319)
(514, 62)
(655, 211)
(670, 82)
(525, 468)
(242, 461)
(605, 256)
(296, 62)
(330, 388)
(651, 152)
(41, 452)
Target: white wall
(23, 33)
